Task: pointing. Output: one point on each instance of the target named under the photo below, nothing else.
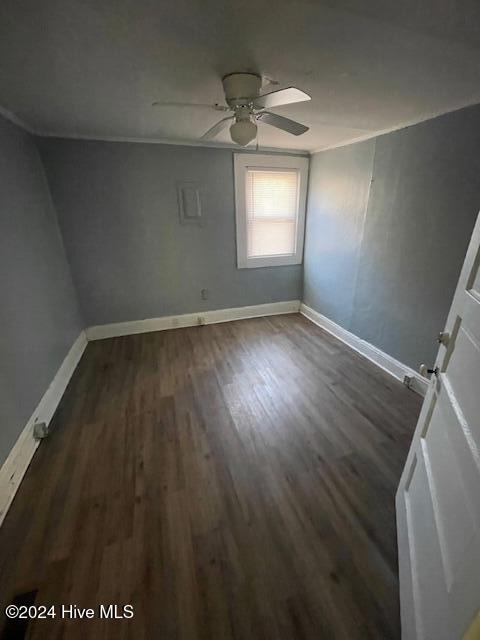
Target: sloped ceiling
(93, 68)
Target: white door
(438, 498)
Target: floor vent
(16, 629)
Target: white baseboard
(117, 329)
(15, 466)
(374, 354)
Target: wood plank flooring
(232, 481)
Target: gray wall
(39, 319)
(388, 225)
(130, 257)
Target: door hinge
(443, 338)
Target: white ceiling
(93, 67)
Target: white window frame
(244, 161)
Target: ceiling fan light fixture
(247, 107)
(243, 131)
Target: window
(270, 193)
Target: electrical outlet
(204, 294)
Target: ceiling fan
(247, 107)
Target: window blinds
(272, 208)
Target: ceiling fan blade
(217, 107)
(216, 129)
(290, 126)
(280, 97)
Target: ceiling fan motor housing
(240, 88)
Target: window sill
(271, 261)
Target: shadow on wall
(388, 225)
(39, 316)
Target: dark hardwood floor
(228, 481)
